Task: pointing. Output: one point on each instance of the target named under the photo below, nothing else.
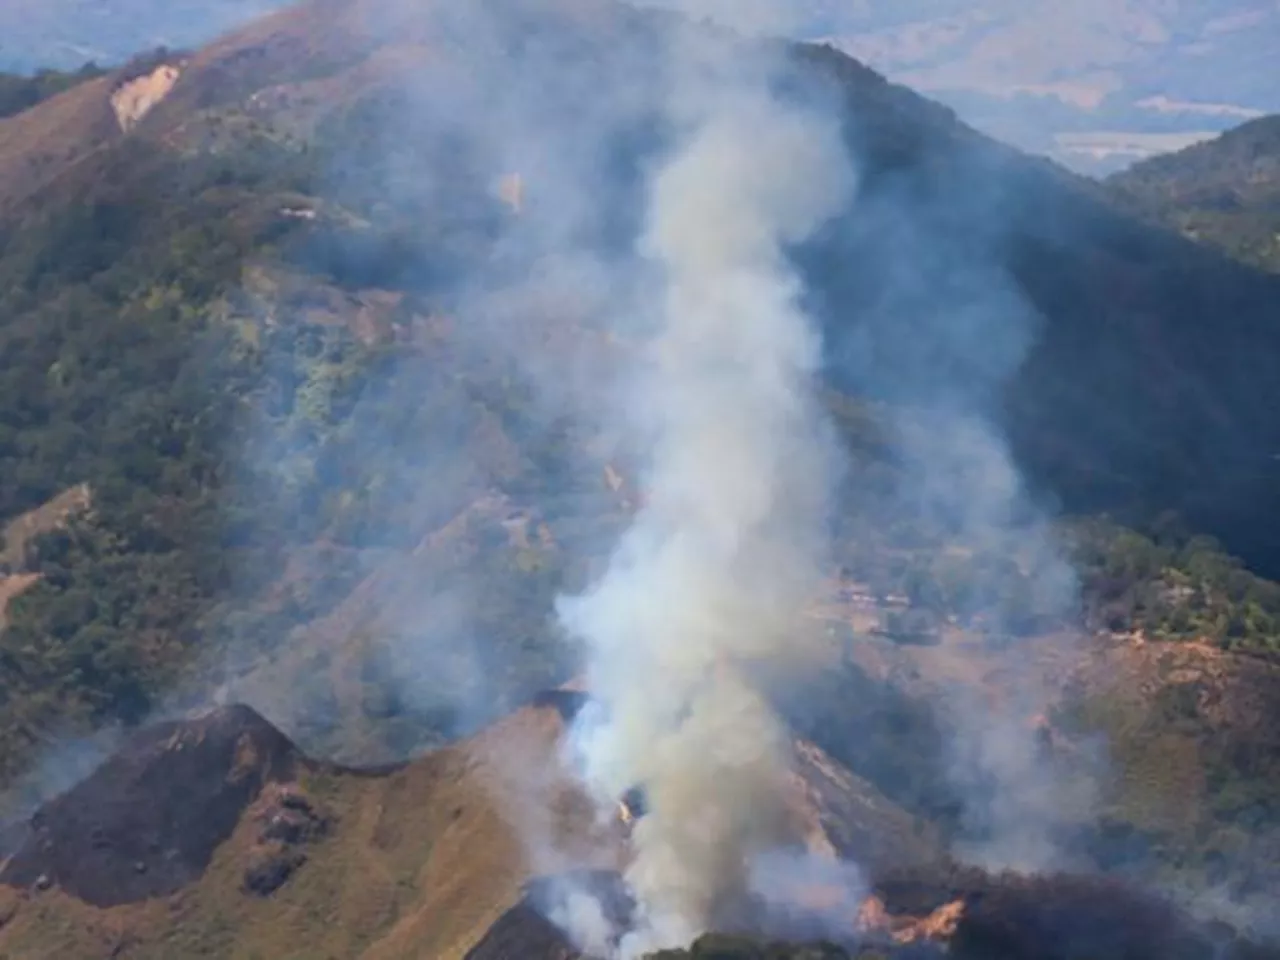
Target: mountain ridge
(1096, 85)
(323, 484)
(1225, 192)
(231, 794)
(295, 822)
(1067, 211)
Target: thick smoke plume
(704, 593)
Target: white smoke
(705, 591)
(582, 913)
(809, 898)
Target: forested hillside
(144, 367)
(1224, 193)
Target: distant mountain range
(66, 33)
(1094, 83)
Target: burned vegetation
(149, 820)
(937, 912)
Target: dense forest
(116, 377)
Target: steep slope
(992, 918)
(1224, 193)
(217, 837)
(1042, 79)
(35, 144)
(19, 92)
(1122, 372)
(1191, 733)
(426, 847)
(149, 820)
(241, 322)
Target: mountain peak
(148, 821)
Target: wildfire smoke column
(704, 593)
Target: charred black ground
(1062, 917)
(522, 933)
(525, 933)
(568, 703)
(148, 821)
(528, 931)
(1006, 917)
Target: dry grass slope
(418, 861)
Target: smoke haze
(662, 197)
(665, 185)
(709, 583)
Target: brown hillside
(412, 862)
(148, 821)
(1195, 735)
(311, 57)
(339, 651)
(61, 147)
(1179, 739)
(38, 145)
(216, 837)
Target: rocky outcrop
(133, 100)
